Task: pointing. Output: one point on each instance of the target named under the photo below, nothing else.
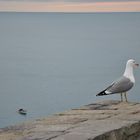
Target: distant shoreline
(68, 6)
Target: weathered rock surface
(107, 120)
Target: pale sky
(70, 5)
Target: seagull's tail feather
(102, 93)
(105, 91)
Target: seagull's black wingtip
(101, 93)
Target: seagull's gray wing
(123, 84)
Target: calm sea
(51, 62)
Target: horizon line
(69, 12)
(133, 6)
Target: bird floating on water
(124, 83)
(22, 111)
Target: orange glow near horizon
(70, 7)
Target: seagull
(124, 83)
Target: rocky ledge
(107, 120)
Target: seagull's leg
(125, 97)
(121, 97)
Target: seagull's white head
(132, 63)
(129, 69)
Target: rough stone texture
(107, 120)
